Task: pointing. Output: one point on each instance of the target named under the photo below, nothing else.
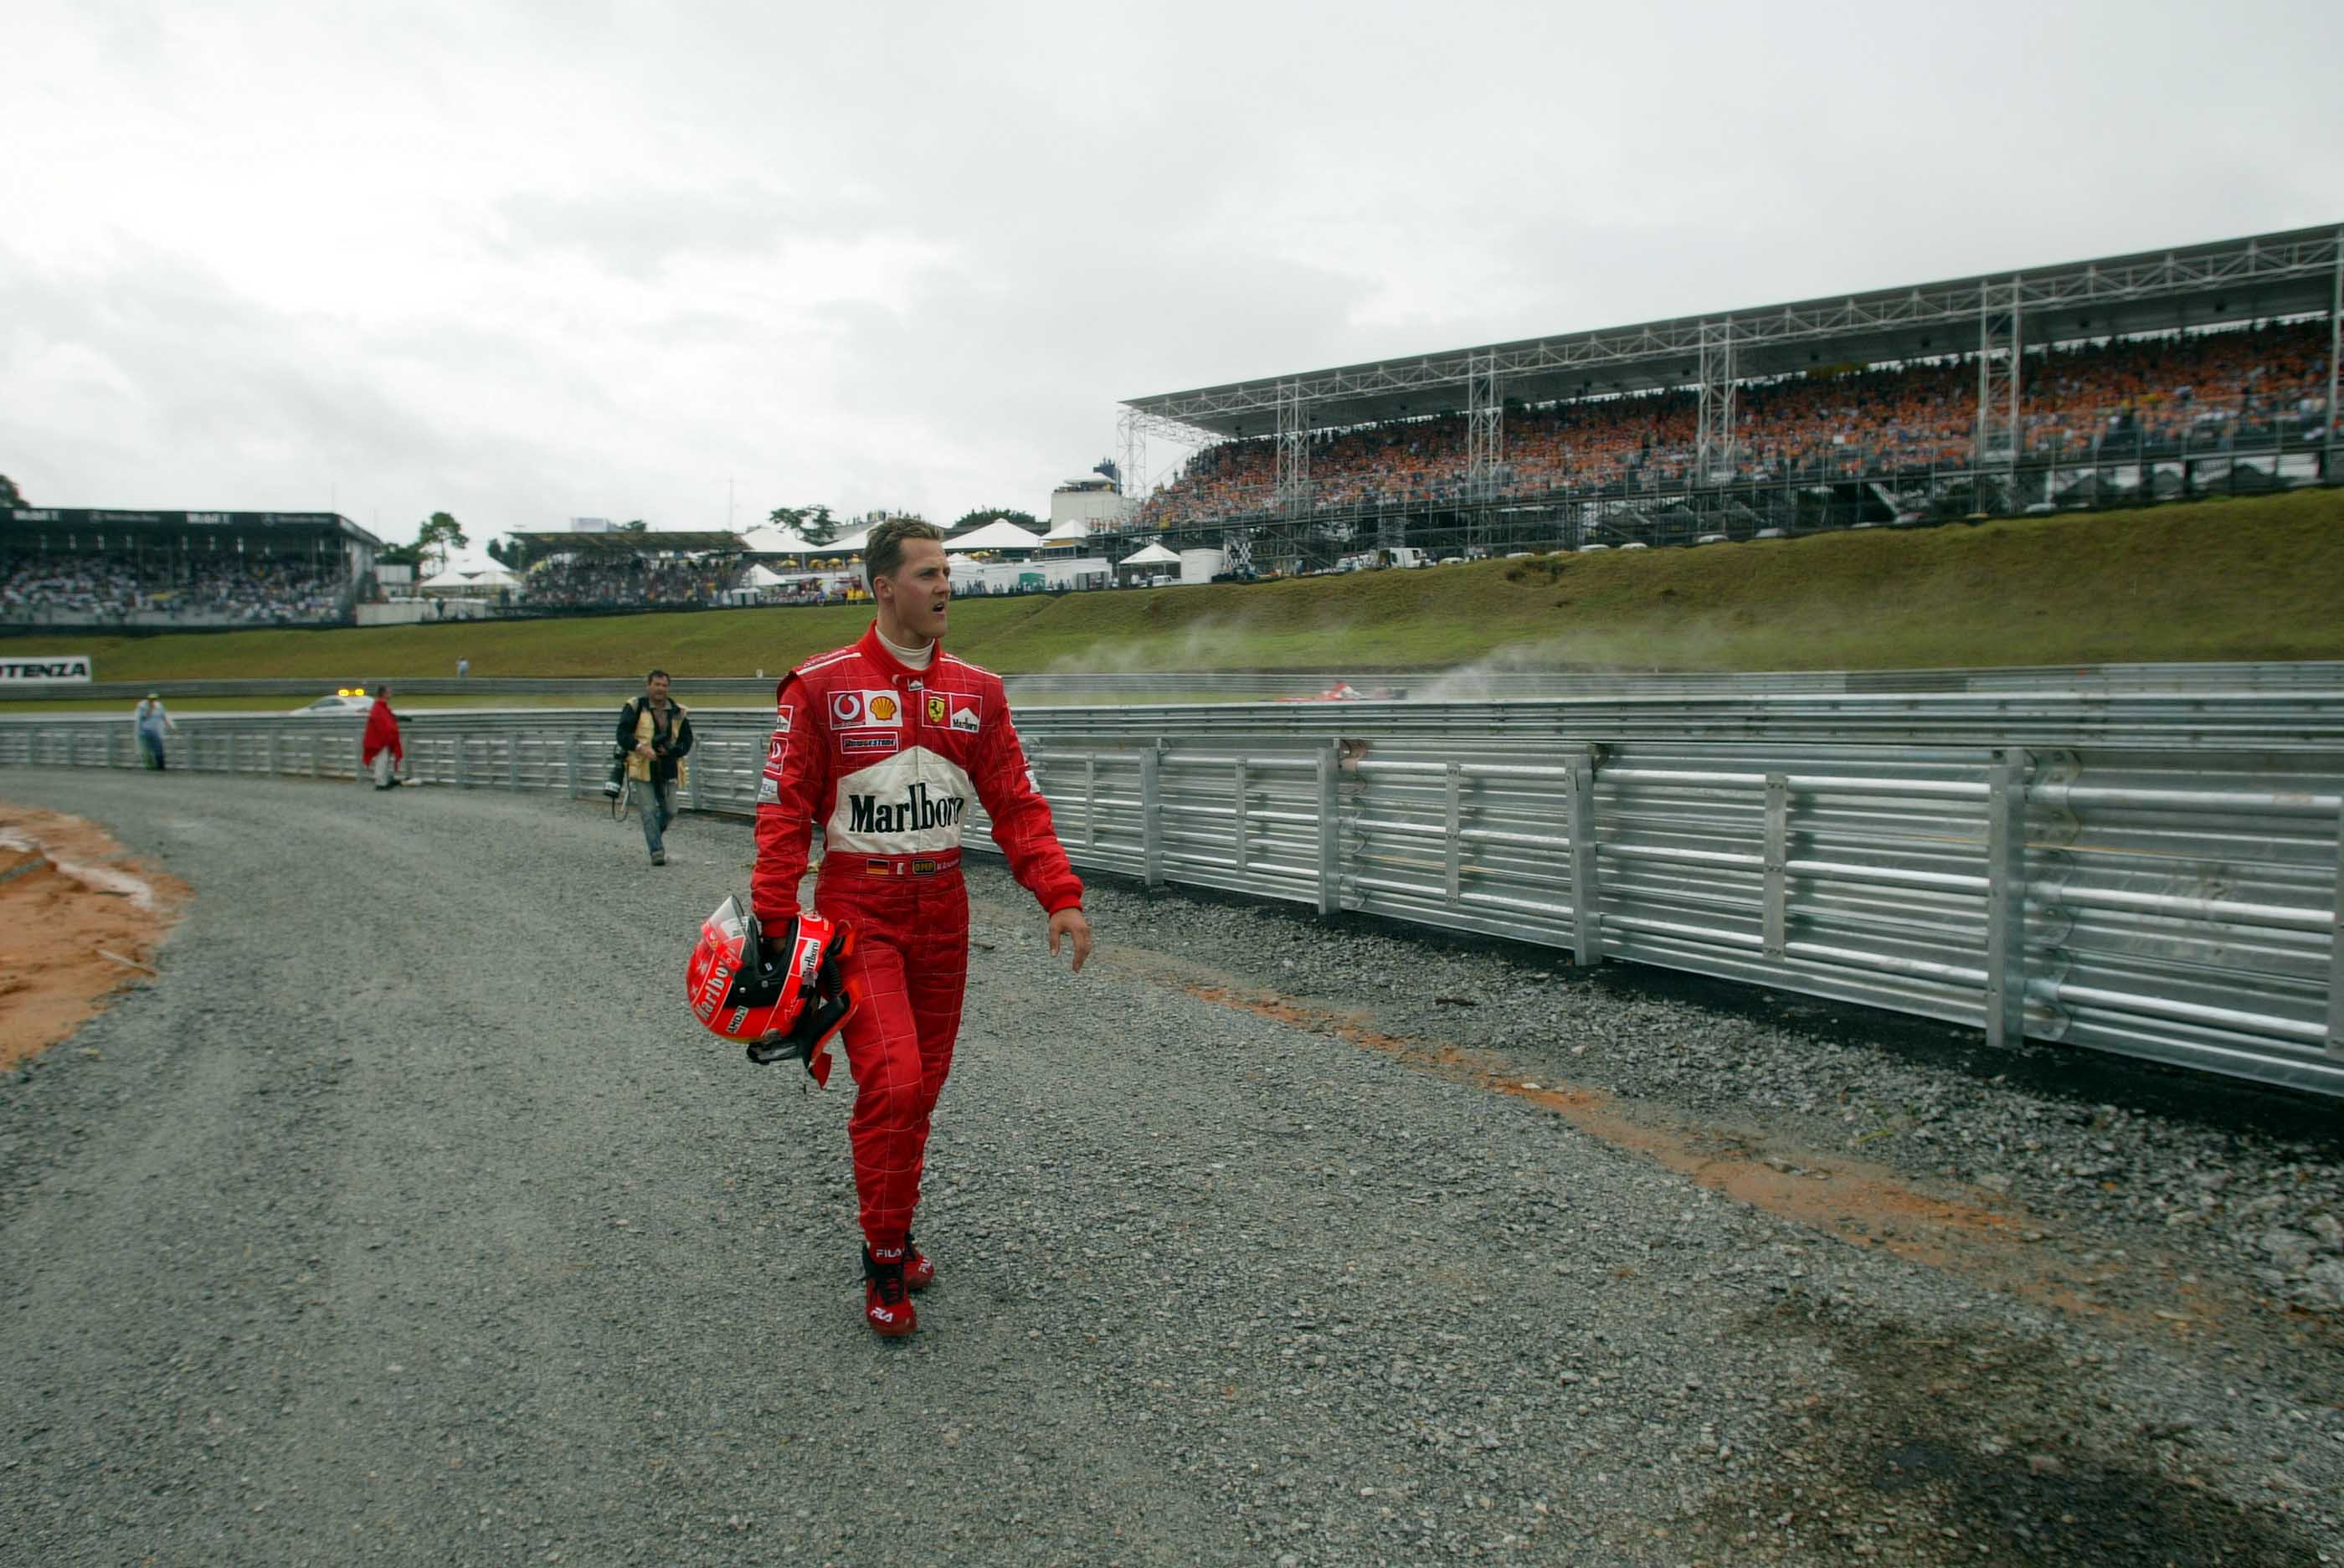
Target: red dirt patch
(79, 919)
(1982, 1237)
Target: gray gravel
(2230, 1180)
(408, 1218)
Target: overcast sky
(521, 262)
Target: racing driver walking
(886, 744)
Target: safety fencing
(2137, 879)
(1469, 685)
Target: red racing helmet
(783, 998)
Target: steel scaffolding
(2335, 343)
(1713, 450)
(2001, 344)
(1131, 445)
(1293, 451)
(1485, 434)
(1485, 429)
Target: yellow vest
(639, 766)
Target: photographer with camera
(653, 735)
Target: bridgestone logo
(916, 812)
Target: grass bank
(2258, 578)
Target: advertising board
(18, 669)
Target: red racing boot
(885, 1306)
(918, 1272)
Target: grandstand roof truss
(19, 522)
(629, 542)
(2293, 273)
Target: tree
(633, 525)
(814, 523)
(498, 553)
(984, 514)
(436, 537)
(398, 555)
(9, 494)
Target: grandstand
(2207, 369)
(180, 571)
(564, 572)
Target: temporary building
(467, 573)
(771, 540)
(999, 534)
(1150, 555)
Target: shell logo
(883, 709)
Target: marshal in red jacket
(381, 733)
(889, 759)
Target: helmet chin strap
(809, 1039)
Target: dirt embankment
(80, 919)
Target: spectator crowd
(254, 589)
(590, 581)
(2144, 397)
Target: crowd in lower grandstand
(586, 581)
(254, 589)
(2140, 397)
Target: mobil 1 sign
(17, 669)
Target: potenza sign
(57, 667)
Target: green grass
(2258, 578)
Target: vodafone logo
(865, 711)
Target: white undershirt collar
(918, 658)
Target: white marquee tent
(771, 540)
(468, 571)
(1150, 555)
(998, 534)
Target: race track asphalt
(407, 1216)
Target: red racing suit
(888, 759)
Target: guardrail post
(1151, 815)
(358, 759)
(1330, 828)
(1452, 854)
(1586, 885)
(1090, 801)
(513, 763)
(1777, 859)
(1239, 853)
(570, 761)
(2336, 953)
(2006, 903)
(458, 780)
(276, 755)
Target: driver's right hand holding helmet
(782, 994)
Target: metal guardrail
(1469, 683)
(2161, 890)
